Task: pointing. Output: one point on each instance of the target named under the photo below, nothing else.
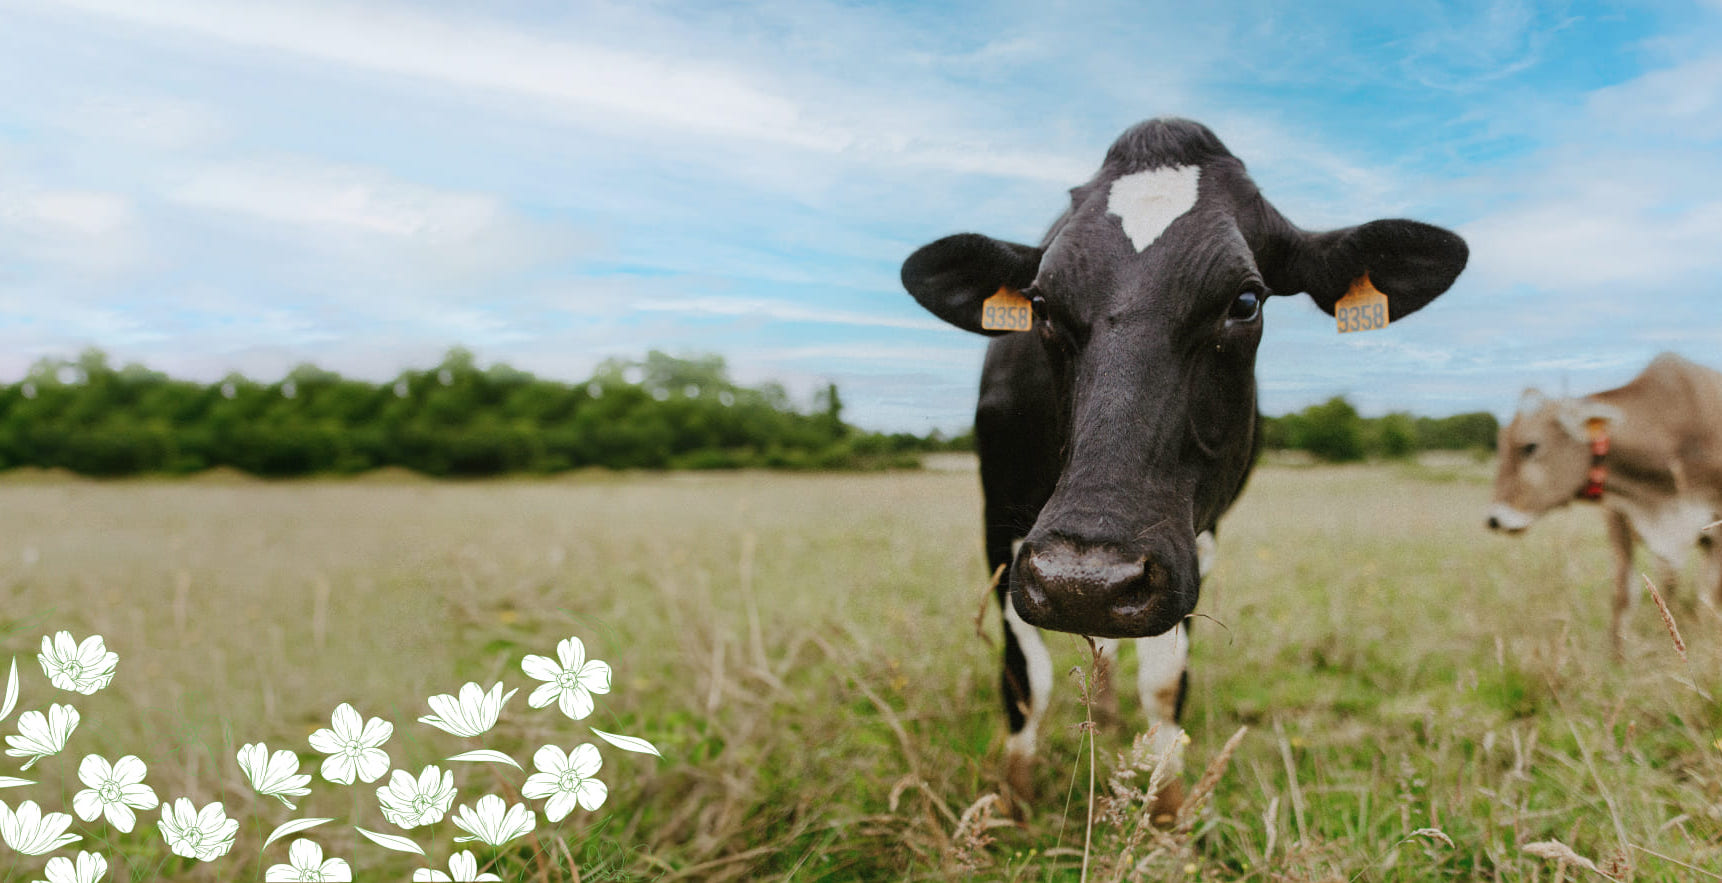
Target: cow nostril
(1159, 578)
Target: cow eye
(1528, 449)
(1245, 308)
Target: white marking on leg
(1146, 203)
(1039, 663)
(1160, 663)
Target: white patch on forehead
(1146, 203)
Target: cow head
(1147, 298)
(1545, 457)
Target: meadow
(1419, 700)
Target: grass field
(1422, 699)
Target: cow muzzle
(1101, 590)
(1503, 517)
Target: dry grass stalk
(1210, 779)
(1670, 860)
(986, 599)
(970, 840)
(1432, 834)
(890, 716)
(1291, 779)
(1667, 618)
(1556, 851)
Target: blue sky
(216, 187)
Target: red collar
(1597, 428)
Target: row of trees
(453, 419)
(1333, 431)
(459, 419)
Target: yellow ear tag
(1007, 310)
(1362, 309)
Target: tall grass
(1422, 700)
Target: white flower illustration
(113, 790)
(83, 668)
(566, 779)
(41, 735)
(88, 869)
(29, 831)
(409, 803)
(354, 746)
(461, 867)
(274, 775)
(474, 713)
(571, 683)
(205, 835)
(494, 822)
(305, 862)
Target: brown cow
(1650, 452)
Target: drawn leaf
(628, 743)
(9, 782)
(11, 700)
(292, 827)
(486, 755)
(390, 841)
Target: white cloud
(339, 199)
(587, 78)
(371, 218)
(1684, 101)
(76, 213)
(151, 121)
(83, 231)
(784, 312)
(1621, 232)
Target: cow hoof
(1018, 785)
(1106, 716)
(1163, 812)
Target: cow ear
(1530, 401)
(1411, 262)
(955, 275)
(1575, 415)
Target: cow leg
(1162, 679)
(1620, 542)
(1026, 685)
(1709, 588)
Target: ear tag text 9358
(1362, 309)
(1007, 310)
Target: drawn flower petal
(544, 695)
(486, 755)
(591, 793)
(390, 841)
(627, 743)
(575, 702)
(292, 827)
(540, 668)
(11, 700)
(572, 652)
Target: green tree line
(458, 419)
(455, 419)
(1333, 431)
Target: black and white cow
(1115, 432)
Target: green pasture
(1420, 700)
